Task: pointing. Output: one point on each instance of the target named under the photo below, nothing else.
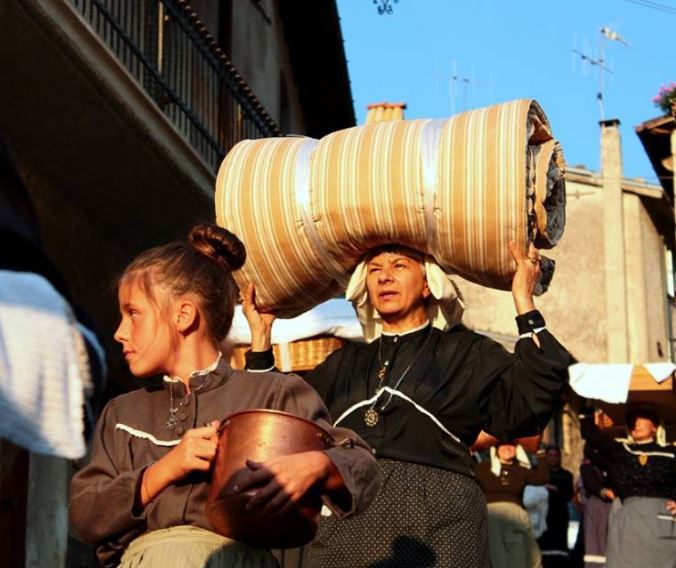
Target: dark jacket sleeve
(592, 479)
(104, 492)
(259, 361)
(598, 440)
(351, 455)
(539, 475)
(519, 393)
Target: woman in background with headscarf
(419, 392)
(503, 479)
(642, 530)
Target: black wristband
(259, 360)
(530, 321)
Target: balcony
(119, 113)
(163, 45)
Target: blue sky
(512, 49)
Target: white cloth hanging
(610, 382)
(43, 368)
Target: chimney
(380, 112)
(614, 245)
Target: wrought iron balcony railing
(169, 52)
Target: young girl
(141, 498)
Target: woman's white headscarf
(660, 437)
(445, 305)
(521, 458)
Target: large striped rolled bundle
(458, 189)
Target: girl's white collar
(197, 373)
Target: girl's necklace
(171, 422)
(372, 415)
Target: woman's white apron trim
(391, 391)
(146, 436)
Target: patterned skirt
(422, 516)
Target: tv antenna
(600, 62)
(457, 82)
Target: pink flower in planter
(665, 99)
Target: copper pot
(259, 435)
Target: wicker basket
(298, 356)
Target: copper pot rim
(267, 411)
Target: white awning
(611, 382)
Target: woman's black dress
(440, 389)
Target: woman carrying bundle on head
(503, 479)
(141, 499)
(419, 392)
(642, 530)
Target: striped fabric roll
(262, 195)
(458, 189)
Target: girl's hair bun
(218, 244)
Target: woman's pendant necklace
(371, 416)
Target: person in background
(50, 358)
(24, 265)
(554, 541)
(642, 530)
(596, 498)
(502, 479)
(536, 501)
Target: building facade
(117, 114)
